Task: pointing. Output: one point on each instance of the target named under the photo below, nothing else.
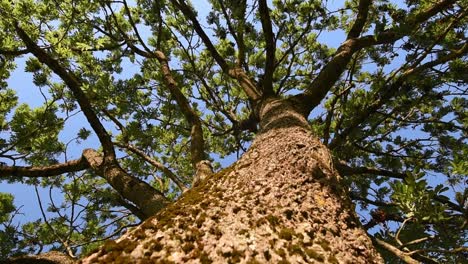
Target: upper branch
(75, 86)
(237, 73)
(197, 145)
(391, 90)
(270, 47)
(395, 251)
(239, 35)
(190, 15)
(337, 65)
(363, 10)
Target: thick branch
(190, 15)
(270, 47)
(197, 145)
(140, 193)
(354, 196)
(44, 171)
(75, 86)
(132, 208)
(363, 10)
(337, 65)
(239, 35)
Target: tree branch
(44, 171)
(237, 73)
(239, 37)
(132, 208)
(75, 86)
(135, 190)
(391, 90)
(18, 52)
(140, 193)
(353, 196)
(395, 251)
(346, 170)
(361, 19)
(270, 42)
(197, 146)
(332, 71)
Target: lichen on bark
(282, 201)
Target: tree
(379, 122)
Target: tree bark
(281, 201)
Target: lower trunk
(281, 201)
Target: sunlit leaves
(36, 131)
(9, 100)
(6, 206)
(415, 198)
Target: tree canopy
(166, 92)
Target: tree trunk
(281, 201)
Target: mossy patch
(295, 249)
(310, 233)
(201, 219)
(236, 209)
(332, 259)
(214, 230)
(110, 246)
(314, 254)
(281, 252)
(253, 261)
(273, 220)
(286, 233)
(243, 232)
(187, 247)
(234, 256)
(205, 259)
(198, 253)
(324, 244)
(157, 246)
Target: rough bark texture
(281, 201)
(52, 257)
